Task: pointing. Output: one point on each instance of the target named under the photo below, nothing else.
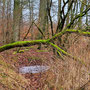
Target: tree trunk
(80, 19)
(16, 20)
(43, 15)
(3, 22)
(59, 9)
(8, 26)
(31, 17)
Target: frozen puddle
(33, 69)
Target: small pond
(33, 69)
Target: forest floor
(67, 74)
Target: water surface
(33, 69)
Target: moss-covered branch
(21, 44)
(66, 53)
(70, 31)
(58, 48)
(35, 42)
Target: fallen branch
(21, 44)
(69, 31)
(47, 41)
(66, 53)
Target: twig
(27, 32)
(25, 36)
(49, 14)
(39, 29)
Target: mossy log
(47, 41)
(70, 31)
(22, 44)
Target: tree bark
(43, 15)
(16, 20)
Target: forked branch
(35, 42)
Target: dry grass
(9, 79)
(71, 74)
(67, 74)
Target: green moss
(26, 49)
(70, 31)
(42, 51)
(67, 54)
(21, 51)
(15, 52)
(34, 42)
(29, 47)
(78, 31)
(3, 75)
(58, 48)
(21, 44)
